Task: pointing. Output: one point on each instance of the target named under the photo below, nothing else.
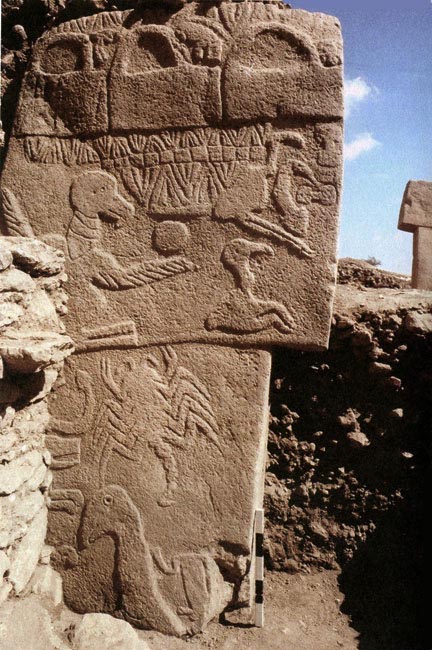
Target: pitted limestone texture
(186, 161)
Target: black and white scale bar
(259, 568)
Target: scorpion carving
(160, 403)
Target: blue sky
(388, 129)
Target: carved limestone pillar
(416, 217)
(188, 163)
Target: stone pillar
(416, 217)
(32, 349)
(188, 162)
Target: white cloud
(361, 144)
(356, 91)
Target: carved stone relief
(188, 163)
(159, 428)
(135, 200)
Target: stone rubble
(34, 631)
(107, 633)
(33, 347)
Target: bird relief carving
(187, 161)
(157, 405)
(210, 171)
(94, 198)
(240, 310)
(152, 404)
(176, 595)
(196, 583)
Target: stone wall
(32, 349)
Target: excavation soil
(309, 611)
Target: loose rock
(103, 632)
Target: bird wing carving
(146, 273)
(16, 221)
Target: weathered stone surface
(358, 439)
(103, 632)
(197, 157)
(14, 280)
(10, 313)
(16, 514)
(5, 590)
(31, 255)
(5, 258)
(22, 430)
(47, 583)
(244, 207)
(26, 625)
(4, 563)
(5, 587)
(27, 353)
(416, 322)
(13, 475)
(26, 556)
(416, 209)
(416, 217)
(32, 349)
(174, 495)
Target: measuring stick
(259, 568)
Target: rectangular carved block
(188, 162)
(239, 223)
(416, 208)
(166, 481)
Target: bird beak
(83, 537)
(118, 210)
(86, 538)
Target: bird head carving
(95, 194)
(237, 256)
(109, 512)
(238, 250)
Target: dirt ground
(303, 612)
(321, 610)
